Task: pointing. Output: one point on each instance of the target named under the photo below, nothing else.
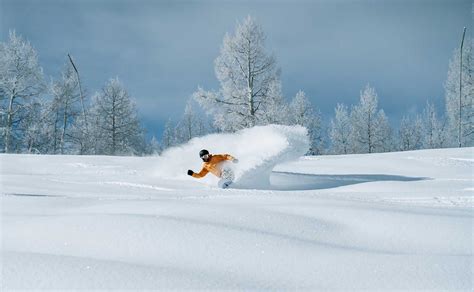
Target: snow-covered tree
(316, 134)
(404, 134)
(275, 110)
(95, 126)
(410, 133)
(82, 137)
(21, 81)
(301, 112)
(117, 127)
(247, 75)
(384, 134)
(66, 108)
(154, 147)
(370, 130)
(340, 130)
(301, 109)
(434, 134)
(33, 137)
(191, 125)
(168, 138)
(459, 105)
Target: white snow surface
(399, 221)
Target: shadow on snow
(299, 181)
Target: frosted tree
(50, 127)
(340, 130)
(301, 112)
(404, 134)
(168, 138)
(370, 130)
(66, 107)
(434, 134)
(116, 122)
(246, 74)
(316, 134)
(275, 110)
(82, 138)
(384, 135)
(95, 127)
(191, 125)
(154, 146)
(33, 138)
(410, 133)
(459, 95)
(21, 80)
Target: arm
(200, 174)
(229, 157)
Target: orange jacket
(213, 165)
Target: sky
(163, 50)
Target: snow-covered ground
(381, 221)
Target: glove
(235, 161)
(190, 172)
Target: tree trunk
(250, 89)
(63, 131)
(113, 127)
(460, 90)
(369, 133)
(55, 135)
(9, 124)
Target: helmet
(203, 152)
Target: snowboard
(224, 184)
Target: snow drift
(360, 222)
(258, 149)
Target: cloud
(162, 50)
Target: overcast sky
(162, 50)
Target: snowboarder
(216, 165)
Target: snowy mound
(258, 149)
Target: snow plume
(258, 149)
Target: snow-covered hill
(382, 221)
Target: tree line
(56, 117)
(59, 118)
(250, 94)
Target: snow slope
(382, 221)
